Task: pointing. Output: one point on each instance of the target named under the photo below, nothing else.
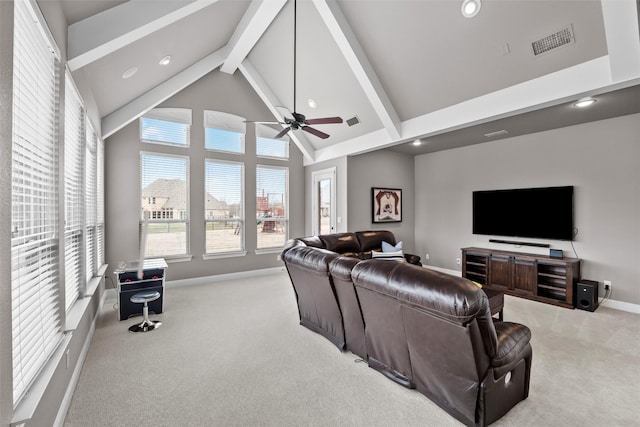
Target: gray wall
(216, 91)
(600, 159)
(386, 169)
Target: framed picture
(386, 204)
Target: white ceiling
(406, 68)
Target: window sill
(224, 255)
(178, 258)
(268, 251)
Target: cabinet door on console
(524, 278)
(500, 272)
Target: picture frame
(386, 204)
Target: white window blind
(35, 311)
(224, 132)
(268, 146)
(165, 203)
(100, 203)
(74, 135)
(223, 209)
(272, 213)
(90, 201)
(170, 126)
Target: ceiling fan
(297, 120)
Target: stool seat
(145, 297)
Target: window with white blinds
(35, 282)
(223, 206)
(272, 212)
(169, 126)
(165, 204)
(100, 203)
(90, 201)
(269, 146)
(74, 135)
(224, 132)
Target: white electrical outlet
(426, 256)
(607, 285)
(278, 257)
(458, 261)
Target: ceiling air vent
(553, 41)
(353, 121)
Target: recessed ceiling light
(585, 102)
(416, 142)
(130, 72)
(165, 60)
(312, 103)
(470, 8)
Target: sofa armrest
(412, 259)
(512, 343)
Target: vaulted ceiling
(406, 69)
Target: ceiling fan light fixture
(165, 60)
(470, 8)
(130, 72)
(584, 102)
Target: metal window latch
(14, 232)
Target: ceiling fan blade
(323, 121)
(315, 132)
(282, 133)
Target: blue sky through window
(223, 140)
(164, 131)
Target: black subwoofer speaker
(586, 295)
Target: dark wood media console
(536, 277)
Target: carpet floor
(232, 353)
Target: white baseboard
(616, 305)
(221, 277)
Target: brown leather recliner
(434, 332)
(318, 308)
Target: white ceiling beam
(136, 108)
(252, 26)
(357, 60)
(104, 33)
(552, 89)
(265, 93)
(623, 44)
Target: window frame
(285, 220)
(241, 220)
(186, 256)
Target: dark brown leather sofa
(420, 328)
(434, 332)
(326, 299)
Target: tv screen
(542, 213)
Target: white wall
(600, 159)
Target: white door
(323, 204)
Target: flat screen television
(541, 213)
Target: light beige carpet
(233, 354)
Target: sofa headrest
(309, 258)
(341, 242)
(341, 267)
(373, 239)
(313, 241)
(452, 298)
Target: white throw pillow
(394, 256)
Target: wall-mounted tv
(542, 213)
